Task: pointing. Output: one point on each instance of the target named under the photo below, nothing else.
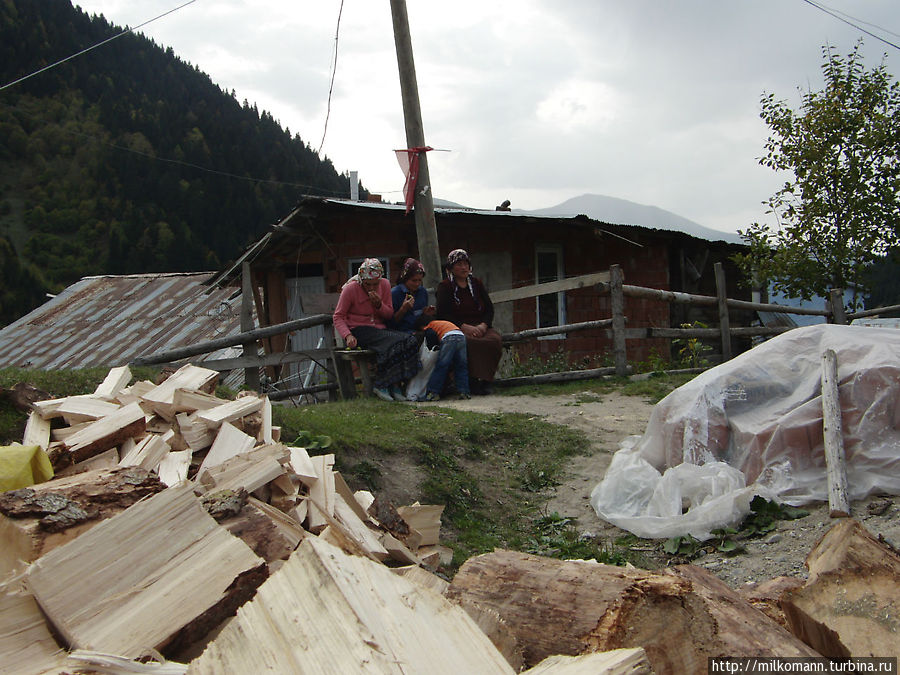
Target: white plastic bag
(415, 390)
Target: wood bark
(850, 605)
(38, 519)
(576, 607)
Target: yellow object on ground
(23, 465)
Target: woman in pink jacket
(360, 317)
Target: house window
(551, 308)
(354, 263)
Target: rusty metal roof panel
(110, 320)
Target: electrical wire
(838, 16)
(337, 32)
(99, 44)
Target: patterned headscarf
(455, 256)
(370, 269)
(410, 267)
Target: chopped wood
(107, 432)
(174, 467)
(249, 471)
(435, 556)
(194, 431)
(398, 550)
(365, 499)
(576, 607)
(386, 514)
(354, 616)
(147, 453)
(116, 380)
(425, 519)
(134, 393)
(321, 493)
(265, 432)
(616, 662)
(422, 578)
(492, 625)
(230, 411)
(37, 431)
(36, 520)
(49, 408)
(161, 399)
(357, 529)
(270, 536)
(230, 442)
(766, 596)
(341, 487)
(26, 645)
(302, 466)
(192, 400)
(77, 409)
(850, 604)
(85, 660)
(105, 460)
(158, 574)
(835, 463)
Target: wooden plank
(37, 431)
(352, 616)
(835, 464)
(570, 284)
(116, 380)
(107, 432)
(230, 411)
(142, 578)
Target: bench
(343, 360)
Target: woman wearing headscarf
(409, 297)
(360, 318)
(463, 299)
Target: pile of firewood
(181, 535)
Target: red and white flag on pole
(409, 162)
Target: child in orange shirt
(452, 353)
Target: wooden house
(303, 260)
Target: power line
(837, 16)
(337, 31)
(99, 44)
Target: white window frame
(557, 250)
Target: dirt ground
(609, 418)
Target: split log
(576, 607)
(850, 605)
(766, 596)
(230, 442)
(425, 521)
(159, 575)
(26, 645)
(161, 399)
(302, 465)
(615, 662)
(249, 471)
(230, 411)
(116, 380)
(37, 431)
(192, 400)
(174, 467)
(107, 432)
(271, 536)
(423, 578)
(195, 433)
(38, 519)
(105, 460)
(353, 616)
(321, 493)
(147, 453)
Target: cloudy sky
(654, 101)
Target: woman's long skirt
(396, 354)
(484, 354)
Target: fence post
(724, 324)
(838, 314)
(251, 375)
(617, 303)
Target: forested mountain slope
(126, 159)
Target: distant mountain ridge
(623, 212)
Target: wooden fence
(610, 283)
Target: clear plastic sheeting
(752, 426)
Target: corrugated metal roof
(110, 320)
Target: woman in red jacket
(360, 319)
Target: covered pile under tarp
(752, 426)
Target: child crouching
(452, 354)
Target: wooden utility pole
(423, 210)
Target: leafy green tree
(840, 211)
